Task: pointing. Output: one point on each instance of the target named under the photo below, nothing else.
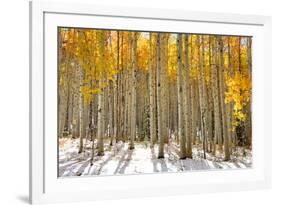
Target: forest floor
(119, 159)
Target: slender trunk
(159, 109)
(229, 106)
(181, 135)
(134, 72)
(81, 107)
(187, 114)
(201, 92)
(215, 94)
(223, 109)
(249, 105)
(151, 94)
(101, 113)
(193, 100)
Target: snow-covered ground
(119, 159)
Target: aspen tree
(249, 105)
(187, 103)
(215, 94)
(193, 100)
(100, 132)
(223, 107)
(159, 104)
(151, 94)
(180, 100)
(229, 106)
(134, 108)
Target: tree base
(100, 154)
(160, 157)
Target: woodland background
(189, 90)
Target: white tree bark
(159, 104)
(134, 108)
(180, 100)
(151, 95)
(187, 98)
(223, 107)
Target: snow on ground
(119, 159)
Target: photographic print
(139, 102)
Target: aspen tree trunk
(62, 110)
(110, 112)
(106, 112)
(134, 108)
(193, 100)
(91, 131)
(159, 109)
(187, 104)
(123, 89)
(215, 94)
(180, 100)
(75, 115)
(71, 112)
(62, 91)
(249, 105)
(100, 132)
(129, 74)
(120, 104)
(207, 98)
(201, 81)
(164, 78)
(91, 125)
(115, 94)
(151, 94)
(60, 55)
(229, 106)
(174, 102)
(223, 110)
(206, 132)
(127, 100)
(81, 107)
(127, 88)
(66, 128)
(85, 121)
(100, 120)
(211, 119)
(119, 90)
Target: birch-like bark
(134, 108)
(201, 92)
(151, 94)
(100, 132)
(215, 94)
(81, 107)
(159, 109)
(187, 98)
(180, 99)
(223, 109)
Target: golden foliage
(95, 52)
(239, 92)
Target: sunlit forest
(148, 102)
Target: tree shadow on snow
(124, 161)
(155, 161)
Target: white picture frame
(46, 187)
